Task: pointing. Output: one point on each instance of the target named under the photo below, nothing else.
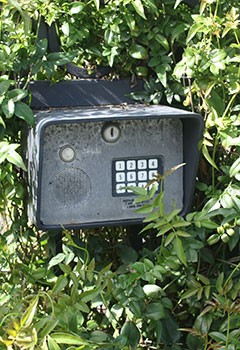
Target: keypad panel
(134, 171)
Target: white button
(131, 164)
(120, 188)
(142, 164)
(120, 165)
(131, 176)
(142, 184)
(120, 177)
(152, 163)
(152, 174)
(142, 175)
(67, 153)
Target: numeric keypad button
(153, 163)
(120, 188)
(152, 174)
(142, 175)
(131, 176)
(120, 165)
(131, 164)
(142, 164)
(120, 177)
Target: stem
(231, 274)
(229, 104)
(228, 329)
(213, 157)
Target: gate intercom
(81, 160)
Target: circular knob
(67, 153)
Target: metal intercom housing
(82, 158)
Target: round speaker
(71, 186)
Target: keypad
(135, 171)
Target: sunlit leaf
(138, 6)
(15, 158)
(27, 317)
(138, 52)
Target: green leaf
(60, 284)
(181, 233)
(52, 344)
(60, 58)
(155, 311)
(138, 190)
(97, 4)
(177, 2)
(17, 94)
(162, 74)
(217, 336)
(235, 168)
(78, 6)
(216, 103)
(15, 158)
(219, 282)
(41, 48)
(162, 41)
(132, 333)
(8, 108)
(23, 111)
(189, 293)
(4, 85)
(56, 260)
(172, 214)
(49, 327)
(178, 29)
(208, 157)
(68, 338)
(145, 209)
(138, 52)
(169, 238)
(138, 6)
(178, 247)
(167, 227)
(28, 315)
(195, 28)
(152, 217)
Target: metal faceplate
(76, 158)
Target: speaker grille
(71, 186)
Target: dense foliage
(181, 290)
